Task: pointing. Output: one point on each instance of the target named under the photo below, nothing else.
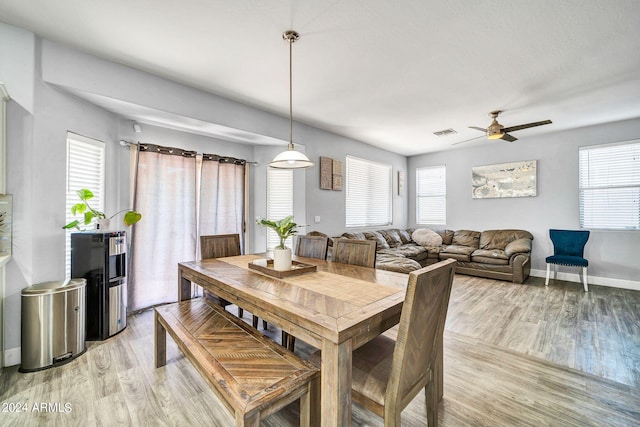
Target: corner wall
(612, 254)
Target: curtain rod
(216, 157)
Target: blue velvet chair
(568, 249)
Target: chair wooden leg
(546, 282)
(584, 279)
(255, 321)
(264, 325)
(240, 312)
(285, 339)
(431, 401)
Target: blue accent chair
(568, 249)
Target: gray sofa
(496, 254)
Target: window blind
(610, 186)
(85, 169)
(431, 195)
(368, 193)
(279, 201)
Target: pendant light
(290, 159)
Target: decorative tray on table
(266, 266)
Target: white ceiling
(388, 73)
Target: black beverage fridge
(101, 258)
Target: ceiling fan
(497, 131)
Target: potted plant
(284, 228)
(102, 222)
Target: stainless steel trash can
(53, 323)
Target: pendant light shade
(290, 159)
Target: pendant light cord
(291, 93)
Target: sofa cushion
(518, 246)
(490, 256)
(376, 237)
(499, 239)
(405, 236)
(392, 236)
(466, 238)
(354, 235)
(447, 236)
(426, 237)
(461, 253)
(409, 251)
(397, 264)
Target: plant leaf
(85, 194)
(88, 216)
(72, 224)
(132, 217)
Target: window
(279, 200)
(368, 193)
(610, 186)
(85, 169)
(431, 195)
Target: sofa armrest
(518, 246)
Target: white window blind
(610, 186)
(85, 169)
(431, 195)
(279, 201)
(368, 193)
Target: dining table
(336, 308)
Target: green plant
(83, 208)
(284, 228)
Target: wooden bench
(252, 375)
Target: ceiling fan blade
(467, 140)
(508, 138)
(477, 128)
(528, 125)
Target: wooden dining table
(336, 309)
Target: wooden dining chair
(219, 246)
(312, 246)
(388, 374)
(309, 247)
(355, 252)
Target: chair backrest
(355, 252)
(569, 242)
(312, 246)
(220, 245)
(420, 333)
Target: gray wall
(611, 254)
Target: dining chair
(309, 247)
(312, 246)
(219, 246)
(355, 252)
(388, 374)
(568, 250)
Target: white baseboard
(12, 356)
(593, 280)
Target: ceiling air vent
(445, 132)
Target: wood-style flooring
(515, 355)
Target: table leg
(184, 287)
(159, 343)
(336, 384)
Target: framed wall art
(517, 179)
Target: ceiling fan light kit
(290, 159)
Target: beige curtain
(222, 190)
(165, 195)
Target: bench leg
(310, 405)
(159, 342)
(248, 420)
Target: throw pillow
(426, 237)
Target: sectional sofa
(496, 254)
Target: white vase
(102, 225)
(282, 259)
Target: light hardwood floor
(515, 355)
